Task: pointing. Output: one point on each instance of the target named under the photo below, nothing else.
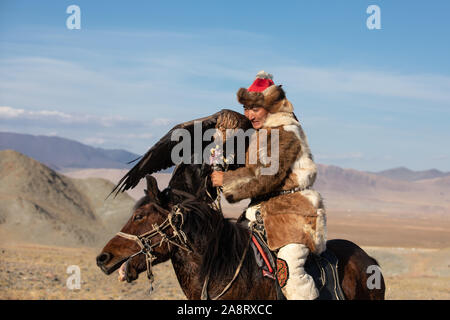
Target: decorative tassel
(264, 75)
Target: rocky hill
(40, 205)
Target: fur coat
(283, 161)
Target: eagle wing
(159, 158)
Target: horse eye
(138, 217)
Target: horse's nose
(103, 258)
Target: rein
(204, 295)
(145, 240)
(145, 243)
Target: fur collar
(279, 119)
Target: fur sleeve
(251, 181)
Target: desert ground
(414, 264)
(412, 246)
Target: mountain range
(357, 191)
(41, 205)
(396, 190)
(64, 154)
(67, 155)
(405, 174)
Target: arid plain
(404, 225)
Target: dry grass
(38, 272)
(29, 271)
(389, 229)
(412, 273)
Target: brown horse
(201, 243)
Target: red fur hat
(264, 93)
(262, 82)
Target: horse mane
(220, 240)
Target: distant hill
(114, 175)
(395, 190)
(40, 205)
(358, 191)
(343, 190)
(60, 153)
(405, 174)
(64, 155)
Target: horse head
(149, 212)
(181, 213)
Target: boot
(299, 284)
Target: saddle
(322, 268)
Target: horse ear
(205, 170)
(152, 187)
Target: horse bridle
(146, 245)
(145, 240)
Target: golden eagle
(158, 157)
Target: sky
(367, 99)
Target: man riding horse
(293, 214)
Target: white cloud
(52, 113)
(71, 84)
(163, 83)
(162, 121)
(8, 112)
(152, 85)
(366, 82)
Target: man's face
(257, 115)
